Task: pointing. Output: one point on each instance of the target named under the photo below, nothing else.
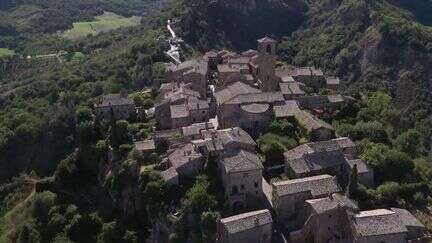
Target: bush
(42, 203)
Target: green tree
(28, 234)
(273, 146)
(83, 114)
(389, 193)
(156, 194)
(110, 233)
(84, 228)
(388, 164)
(410, 143)
(353, 183)
(42, 204)
(376, 106)
(130, 237)
(197, 199)
(208, 225)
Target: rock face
(241, 22)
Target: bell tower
(266, 58)
(267, 46)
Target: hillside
(373, 45)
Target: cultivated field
(102, 23)
(6, 52)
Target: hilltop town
(209, 113)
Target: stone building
(325, 220)
(314, 128)
(192, 73)
(327, 103)
(250, 227)
(242, 105)
(289, 196)
(385, 225)
(291, 90)
(122, 106)
(215, 142)
(335, 157)
(145, 147)
(337, 219)
(332, 82)
(241, 173)
(194, 131)
(309, 76)
(266, 64)
(186, 160)
(365, 173)
(181, 108)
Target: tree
(83, 114)
(273, 146)
(197, 199)
(119, 133)
(84, 228)
(42, 204)
(28, 234)
(110, 233)
(353, 183)
(55, 224)
(155, 194)
(208, 225)
(389, 192)
(283, 128)
(388, 164)
(130, 237)
(410, 142)
(377, 106)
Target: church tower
(266, 71)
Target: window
(330, 216)
(256, 185)
(269, 49)
(245, 174)
(234, 190)
(242, 187)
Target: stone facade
(181, 108)
(335, 157)
(251, 227)
(265, 73)
(289, 196)
(121, 105)
(241, 173)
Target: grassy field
(102, 23)
(6, 52)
